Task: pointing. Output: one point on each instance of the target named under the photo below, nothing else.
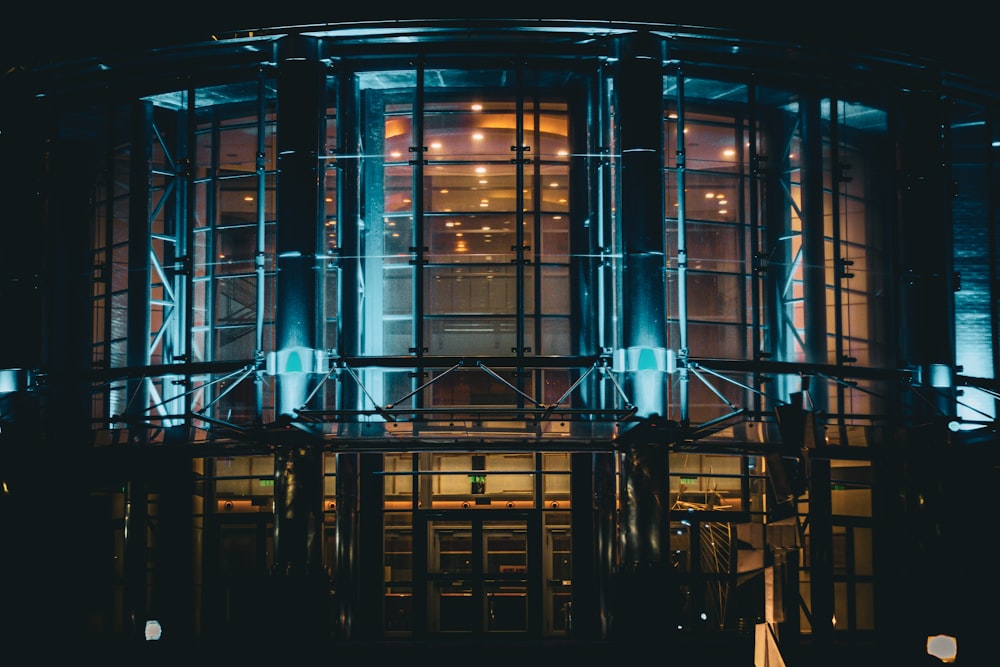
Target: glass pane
(706, 481)
(450, 547)
(399, 608)
(471, 289)
(864, 606)
(851, 501)
(863, 565)
(470, 132)
(505, 547)
(468, 335)
(507, 607)
(398, 550)
(457, 608)
(555, 491)
(713, 296)
(471, 239)
(711, 246)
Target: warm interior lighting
(942, 647)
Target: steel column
(300, 586)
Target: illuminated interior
(417, 320)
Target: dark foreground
(703, 652)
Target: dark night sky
(958, 33)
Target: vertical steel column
(586, 300)
(815, 340)
(350, 224)
(419, 248)
(41, 458)
(173, 590)
(605, 497)
(640, 108)
(260, 258)
(139, 264)
(644, 604)
(775, 262)
(348, 526)
(821, 553)
(840, 263)
(299, 258)
(922, 560)
(370, 572)
(927, 285)
(754, 199)
(520, 250)
(350, 143)
(587, 541)
(682, 316)
(813, 245)
(647, 603)
(137, 354)
(300, 588)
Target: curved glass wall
(471, 272)
(461, 182)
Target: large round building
(487, 335)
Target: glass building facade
(541, 331)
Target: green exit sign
(267, 482)
(689, 480)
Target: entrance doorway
(479, 572)
(477, 545)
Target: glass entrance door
(477, 572)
